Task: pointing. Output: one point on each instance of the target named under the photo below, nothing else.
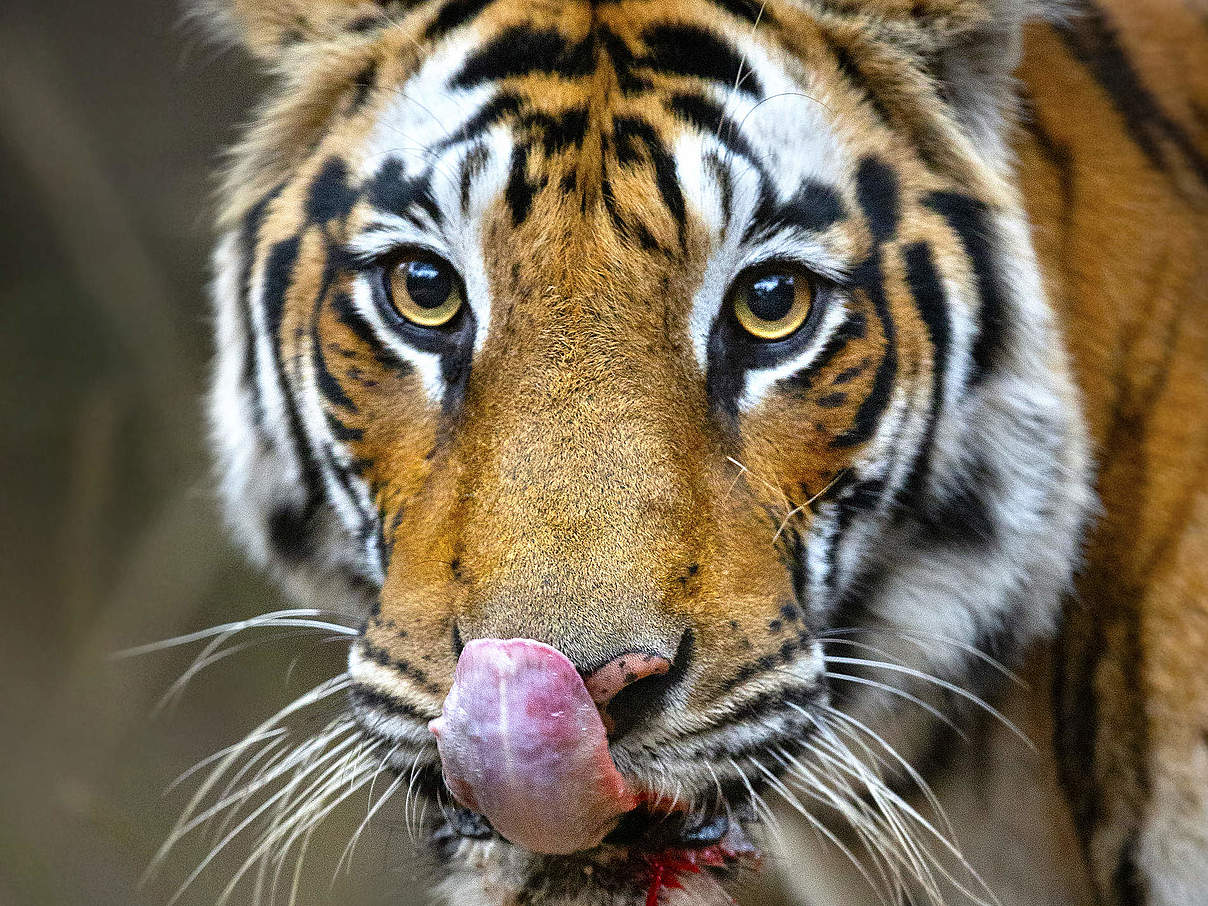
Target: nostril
(633, 687)
(606, 682)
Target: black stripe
(392, 190)
(330, 197)
(1081, 646)
(852, 496)
(932, 152)
(752, 11)
(725, 186)
(970, 220)
(1128, 881)
(627, 133)
(1057, 154)
(850, 70)
(565, 130)
(519, 192)
(623, 60)
(708, 117)
(278, 277)
(384, 658)
(454, 14)
(341, 431)
(1091, 38)
(329, 386)
(763, 707)
(290, 528)
(368, 526)
(365, 24)
(471, 165)
(500, 107)
(854, 327)
(928, 291)
(877, 191)
(610, 205)
(863, 496)
(814, 207)
(688, 50)
(964, 514)
(249, 236)
(370, 699)
(348, 315)
(363, 83)
(520, 51)
(869, 275)
(793, 556)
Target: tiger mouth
(659, 835)
(651, 849)
(643, 831)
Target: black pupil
(770, 297)
(428, 284)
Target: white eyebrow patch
(788, 141)
(424, 113)
(421, 132)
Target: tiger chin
(668, 396)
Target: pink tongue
(522, 743)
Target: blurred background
(112, 118)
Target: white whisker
(916, 637)
(825, 832)
(210, 759)
(188, 815)
(302, 617)
(900, 693)
(942, 684)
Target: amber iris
(772, 305)
(425, 291)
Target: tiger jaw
(483, 868)
(661, 851)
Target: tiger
(735, 439)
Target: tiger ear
(268, 27)
(975, 60)
(969, 48)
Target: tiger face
(700, 342)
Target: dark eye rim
(388, 265)
(449, 338)
(732, 351)
(773, 349)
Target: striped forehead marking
(706, 84)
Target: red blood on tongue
(522, 743)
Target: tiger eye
(772, 305)
(425, 292)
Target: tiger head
(699, 342)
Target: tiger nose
(624, 673)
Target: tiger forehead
(636, 114)
(593, 96)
